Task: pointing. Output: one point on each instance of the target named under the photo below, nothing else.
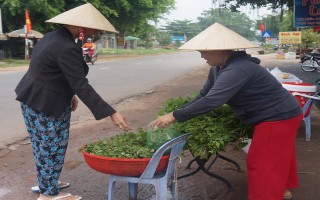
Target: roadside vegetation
(102, 51)
(107, 51)
(13, 63)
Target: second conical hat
(217, 37)
(84, 16)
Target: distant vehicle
(275, 47)
(88, 58)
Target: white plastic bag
(247, 147)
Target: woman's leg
(271, 161)
(49, 138)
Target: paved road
(117, 80)
(114, 80)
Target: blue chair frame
(305, 108)
(159, 180)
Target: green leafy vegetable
(131, 144)
(210, 132)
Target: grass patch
(102, 51)
(13, 63)
(105, 51)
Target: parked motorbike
(310, 62)
(87, 58)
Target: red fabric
(271, 160)
(28, 22)
(316, 28)
(91, 51)
(261, 28)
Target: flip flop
(67, 195)
(62, 185)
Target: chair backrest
(306, 101)
(176, 146)
(306, 108)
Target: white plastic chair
(159, 180)
(306, 109)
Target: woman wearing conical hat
(57, 73)
(256, 96)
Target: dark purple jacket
(251, 91)
(57, 71)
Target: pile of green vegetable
(139, 144)
(211, 132)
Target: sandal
(61, 185)
(64, 196)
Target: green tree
(13, 13)
(272, 24)
(309, 39)
(234, 5)
(287, 22)
(182, 27)
(236, 21)
(128, 16)
(163, 38)
(132, 16)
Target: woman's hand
(163, 121)
(120, 121)
(74, 103)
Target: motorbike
(310, 62)
(87, 58)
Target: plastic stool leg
(307, 122)
(133, 191)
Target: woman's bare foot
(287, 194)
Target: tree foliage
(236, 21)
(126, 15)
(309, 39)
(234, 5)
(273, 4)
(13, 13)
(182, 27)
(287, 22)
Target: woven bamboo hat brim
(86, 16)
(217, 37)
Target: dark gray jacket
(251, 91)
(57, 71)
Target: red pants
(271, 160)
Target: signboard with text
(306, 13)
(290, 37)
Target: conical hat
(217, 37)
(86, 16)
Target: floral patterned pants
(49, 139)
